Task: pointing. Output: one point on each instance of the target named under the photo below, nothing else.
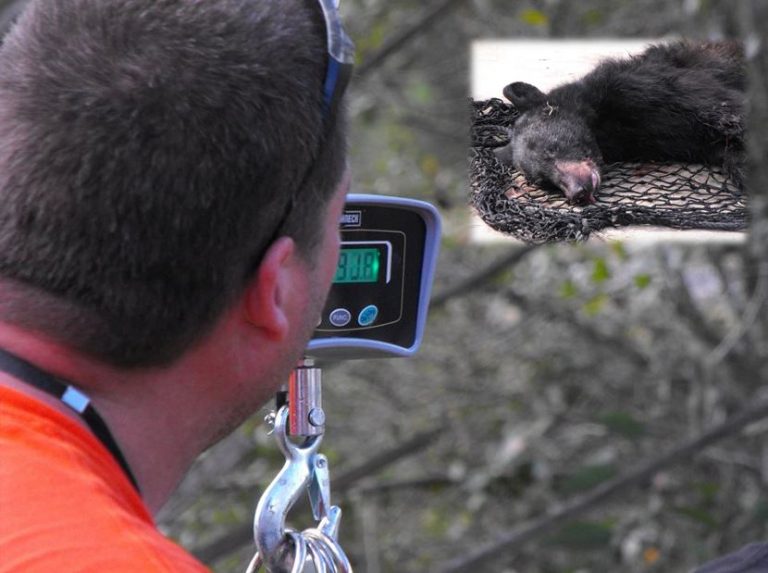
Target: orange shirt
(65, 503)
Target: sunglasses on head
(341, 58)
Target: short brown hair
(148, 148)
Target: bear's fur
(677, 102)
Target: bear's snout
(579, 180)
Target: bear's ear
(524, 96)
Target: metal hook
(277, 500)
(282, 550)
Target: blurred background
(569, 409)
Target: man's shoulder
(65, 502)
(750, 559)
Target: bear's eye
(533, 145)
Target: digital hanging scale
(377, 306)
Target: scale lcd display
(358, 265)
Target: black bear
(677, 102)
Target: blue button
(368, 315)
(340, 317)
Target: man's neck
(147, 411)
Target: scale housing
(378, 302)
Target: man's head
(150, 152)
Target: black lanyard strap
(69, 395)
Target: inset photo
(575, 137)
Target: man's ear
(524, 96)
(271, 290)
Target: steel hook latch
(293, 479)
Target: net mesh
(680, 196)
